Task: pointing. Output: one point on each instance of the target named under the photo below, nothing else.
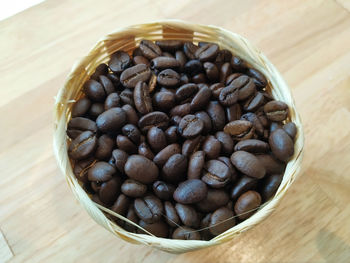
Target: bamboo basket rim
(128, 37)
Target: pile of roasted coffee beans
(182, 139)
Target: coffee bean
(245, 85)
(115, 79)
(125, 144)
(225, 141)
(169, 45)
(244, 184)
(211, 147)
(171, 215)
(81, 168)
(112, 101)
(186, 233)
(133, 188)
(276, 110)
(253, 118)
(159, 229)
(201, 99)
(190, 49)
(121, 205)
(207, 126)
(171, 134)
(78, 125)
(270, 185)
(95, 110)
(190, 191)
(248, 164)
(106, 84)
(225, 71)
(94, 90)
(238, 64)
(168, 78)
(232, 77)
(190, 126)
(101, 172)
(290, 129)
(254, 102)
(110, 190)
(223, 56)
(149, 49)
(131, 115)
(142, 99)
(246, 204)
(216, 89)
(81, 107)
(83, 146)
(132, 132)
(105, 147)
(187, 215)
(141, 169)
(132, 75)
(149, 208)
(199, 78)
(217, 115)
(120, 157)
(186, 91)
(162, 156)
(259, 79)
(275, 125)
(252, 146)
(137, 52)
(141, 60)
(281, 144)
(181, 58)
(161, 63)
(221, 220)
(145, 151)
(174, 170)
(271, 164)
(239, 129)
(132, 216)
(193, 67)
(207, 52)
(119, 61)
(163, 190)
(156, 139)
(101, 69)
(211, 71)
(164, 100)
(215, 199)
(191, 145)
(127, 97)
(216, 174)
(195, 165)
(111, 120)
(228, 96)
(154, 119)
(181, 110)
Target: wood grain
(308, 41)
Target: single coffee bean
(112, 101)
(215, 199)
(141, 169)
(81, 107)
(190, 191)
(149, 49)
(252, 146)
(201, 99)
(133, 188)
(207, 126)
(190, 49)
(78, 125)
(153, 119)
(171, 215)
(120, 157)
(191, 145)
(263, 119)
(211, 71)
(94, 90)
(171, 134)
(186, 233)
(259, 79)
(162, 156)
(225, 141)
(270, 185)
(83, 146)
(159, 229)
(142, 99)
(199, 78)
(275, 125)
(232, 77)
(238, 64)
(111, 120)
(271, 164)
(230, 166)
(169, 45)
(239, 129)
(145, 151)
(132, 216)
(186, 91)
(152, 83)
(190, 126)
(115, 79)
(193, 67)
(156, 139)
(125, 144)
(119, 61)
(290, 129)
(121, 205)
(174, 170)
(276, 110)
(96, 109)
(253, 118)
(149, 208)
(188, 215)
(110, 190)
(141, 60)
(168, 78)
(247, 204)
(163, 190)
(216, 174)
(181, 110)
(131, 115)
(137, 52)
(244, 184)
(223, 56)
(228, 96)
(132, 132)
(81, 168)
(161, 63)
(216, 89)
(221, 220)
(225, 71)
(104, 148)
(217, 115)
(195, 165)
(207, 52)
(281, 144)
(211, 147)
(248, 164)
(101, 172)
(184, 79)
(127, 97)
(245, 85)
(132, 75)
(101, 69)
(107, 84)
(254, 102)
(164, 100)
(181, 58)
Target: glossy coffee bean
(190, 49)
(107, 84)
(112, 101)
(133, 188)
(238, 64)
(245, 85)
(281, 144)
(161, 158)
(254, 102)
(271, 164)
(259, 79)
(81, 107)
(163, 190)
(104, 148)
(216, 174)
(211, 147)
(211, 71)
(132, 216)
(83, 146)
(111, 120)
(119, 61)
(120, 157)
(163, 62)
(207, 126)
(101, 172)
(196, 165)
(156, 139)
(199, 78)
(190, 126)
(141, 60)
(164, 101)
(127, 97)
(230, 166)
(216, 88)
(141, 169)
(201, 99)
(216, 114)
(207, 52)
(81, 168)
(225, 71)
(253, 118)
(171, 216)
(132, 132)
(290, 129)
(190, 191)
(94, 90)
(159, 229)
(181, 110)
(169, 45)
(101, 69)
(239, 129)
(131, 115)
(186, 91)
(174, 170)
(252, 146)
(225, 141)
(78, 125)
(131, 76)
(181, 58)
(125, 144)
(215, 199)
(171, 134)
(248, 164)
(149, 208)
(188, 215)
(121, 205)
(221, 220)
(276, 110)
(270, 185)
(193, 67)
(142, 99)
(149, 49)
(247, 204)
(168, 78)
(145, 151)
(95, 110)
(244, 184)
(186, 233)
(154, 119)
(110, 190)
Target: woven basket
(127, 39)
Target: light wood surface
(308, 41)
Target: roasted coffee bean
(96, 109)
(171, 134)
(141, 60)
(191, 145)
(230, 166)
(272, 165)
(290, 129)
(101, 172)
(115, 79)
(105, 147)
(164, 100)
(161, 63)
(171, 215)
(253, 118)
(216, 89)
(125, 144)
(142, 99)
(263, 120)
(207, 52)
(78, 125)
(223, 56)
(169, 45)
(127, 97)
(156, 139)
(190, 49)
(225, 71)
(81, 168)
(131, 115)
(112, 101)
(186, 233)
(121, 205)
(190, 126)
(188, 215)
(190, 191)
(211, 147)
(149, 49)
(149, 208)
(94, 90)
(137, 52)
(238, 64)
(133, 188)
(106, 84)
(141, 169)
(216, 174)
(181, 110)
(132, 132)
(254, 102)
(174, 170)
(207, 126)
(167, 54)
(244, 184)
(193, 67)
(175, 120)
(186, 91)
(232, 77)
(132, 75)
(159, 229)
(259, 79)
(110, 190)
(101, 69)
(111, 120)
(225, 141)
(181, 58)
(120, 157)
(145, 151)
(221, 220)
(163, 190)
(83, 146)
(276, 110)
(132, 216)
(195, 165)
(199, 78)
(168, 78)
(153, 119)
(239, 129)
(211, 71)
(217, 115)
(228, 96)
(215, 199)
(81, 107)
(162, 156)
(184, 79)
(245, 85)
(252, 146)
(248, 164)
(247, 204)
(119, 61)
(281, 144)
(201, 99)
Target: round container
(127, 39)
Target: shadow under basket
(127, 39)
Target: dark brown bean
(171, 134)
(132, 216)
(149, 208)
(145, 151)
(190, 49)
(190, 191)
(153, 119)
(254, 102)
(190, 126)
(120, 157)
(272, 165)
(186, 233)
(156, 139)
(225, 71)
(199, 78)
(253, 118)
(163, 190)
(132, 132)
(121, 205)
(140, 60)
(101, 69)
(162, 156)
(132, 75)
(125, 144)
(211, 71)
(188, 215)
(207, 52)
(239, 129)
(171, 215)
(94, 90)
(221, 220)
(252, 146)
(105, 147)
(215, 199)
(101, 172)
(195, 165)
(247, 204)
(127, 97)
(78, 125)
(131, 115)
(95, 110)
(111, 120)
(276, 110)
(281, 144)
(207, 126)
(291, 129)
(181, 57)
(193, 67)
(81, 168)
(81, 107)
(112, 101)
(186, 91)
(168, 78)
(216, 174)
(133, 188)
(181, 110)
(238, 64)
(169, 45)
(232, 77)
(174, 170)
(119, 61)
(244, 184)
(149, 49)
(106, 84)
(201, 99)
(142, 99)
(161, 63)
(225, 141)
(159, 229)
(115, 79)
(83, 146)
(211, 147)
(110, 190)
(217, 115)
(216, 88)
(191, 145)
(164, 100)
(248, 164)
(141, 169)
(270, 185)
(259, 79)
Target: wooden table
(308, 41)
